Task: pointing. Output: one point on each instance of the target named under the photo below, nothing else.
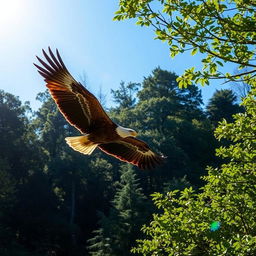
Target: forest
(201, 201)
(55, 201)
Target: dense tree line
(221, 219)
(55, 201)
(218, 219)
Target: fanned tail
(81, 144)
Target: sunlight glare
(11, 12)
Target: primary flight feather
(82, 110)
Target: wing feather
(54, 58)
(53, 62)
(133, 151)
(80, 107)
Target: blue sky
(89, 41)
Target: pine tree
(223, 104)
(125, 95)
(102, 244)
(220, 220)
(118, 230)
(171, 120)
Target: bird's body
(82, 110)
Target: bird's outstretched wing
(80, 107)
(133, 151)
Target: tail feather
(81, 144)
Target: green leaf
(194, 51)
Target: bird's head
(133, 133)
(125, 132)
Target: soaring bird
(82, 110)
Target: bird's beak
(134, 134)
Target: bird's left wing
(133, 151)
(76, 103)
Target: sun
(10, 14)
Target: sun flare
(10, 14)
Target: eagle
(83, 111)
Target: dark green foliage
(172, 121)
(51, 196)
(184, 227)
(223, 104)
(162, 85)
(124, 96)
(25, 197)
(130, 209)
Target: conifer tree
(120, 228)
(221, 219)
(223, 104)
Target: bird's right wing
(79, 107)
(133, 151)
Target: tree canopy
(51, 196)
(221, 219)
(55, 201)
(217, 220)
(223, 31)
(222, 105)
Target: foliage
(223, 31)
(222, 105)
(170, 119)
(124, 96)
(50, 195)
(118, 231)
(228, 199)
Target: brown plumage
(82, 110)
